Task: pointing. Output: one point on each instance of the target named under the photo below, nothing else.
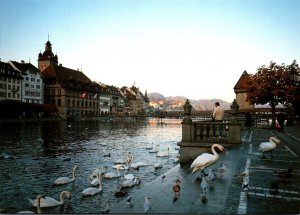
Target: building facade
(32, 84)
(10, 82)
(71, 91)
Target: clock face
(43, 66)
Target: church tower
(47, 58)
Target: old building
(105, 99)
(136, 102)
(240, 90)
(32, 84)
(10, 82)
(71, 91)
(117, 100)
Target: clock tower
(47, 58)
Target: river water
(34, 154)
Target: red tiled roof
(242, 82)
(61, 74)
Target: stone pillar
(187, 123)
(234, 134)
(187, 130)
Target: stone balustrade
(198, 136)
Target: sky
(192, 48)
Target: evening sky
(193, 48)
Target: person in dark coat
(281, 117)
(248, 121)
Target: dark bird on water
(120, 194)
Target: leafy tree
(292, 86)
(269, 85)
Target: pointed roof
(241, 85)
(48, 54)
(23, 67)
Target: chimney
(22, 61)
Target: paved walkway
(226, 194)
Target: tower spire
(48, 36)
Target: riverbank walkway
(265, 193)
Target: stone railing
(203, 132)
(198, 136)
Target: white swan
(269, 146)
(39, 210)
(121, 166)
(98, 170)
(150, 146)
(112, 174)
(204, 160)
(92, 190)
(155, 150)
(163, 153)
(50, 202)
(65, 180)
(131, 182)
(128, 159)
(129, 176)
(138, 164)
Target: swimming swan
(137, 165)
(163, 153)
(128, 159)
(50, 202)
(39, 210)
(92, 190)
(112, 174)
(65, 180)
(131, 182)
(154, 150)
(206, 159)
(129, 176)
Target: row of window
(82, 104)
(10, 95)
(33, 79)
(36, 101)
(33, 86)
(9, 72)
(31, 93)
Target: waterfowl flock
(122, 168)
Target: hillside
(176, 103)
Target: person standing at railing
(281, 117)
(248, 121)
(217, 116)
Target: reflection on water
(34, 154)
